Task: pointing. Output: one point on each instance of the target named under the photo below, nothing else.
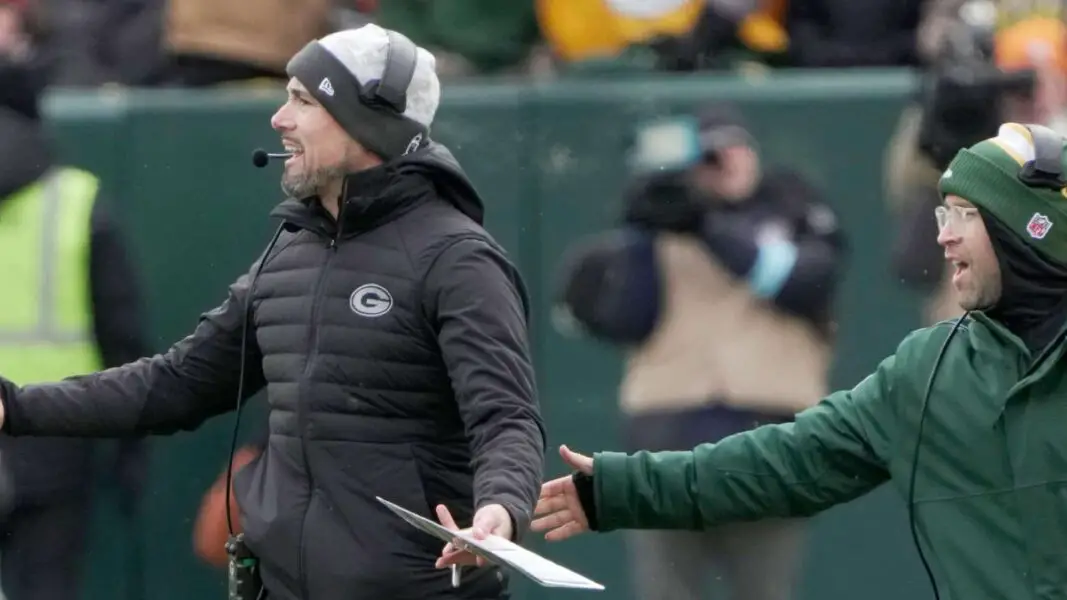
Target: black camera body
(962, 94)
(962, 105)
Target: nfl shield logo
(1038, 226)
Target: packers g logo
(370, 300)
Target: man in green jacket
(968, 419)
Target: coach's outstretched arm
(832, 453)
(193, 381)
(477, 301)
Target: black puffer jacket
(395, 356)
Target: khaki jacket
(265, 34)
(716, 341)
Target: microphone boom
(261, 157)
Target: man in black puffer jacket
(388, 329)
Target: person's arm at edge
(476, 299)
(197, 378)
(834, 452)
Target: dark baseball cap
(679, 142)
(721, 126)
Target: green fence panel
(548, 159)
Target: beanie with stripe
(986, 174)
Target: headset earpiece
(392, 89)
(1046, 170)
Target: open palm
(559, 511)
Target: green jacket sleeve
(833, 452)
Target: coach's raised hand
(566, 506)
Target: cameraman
(719, 284)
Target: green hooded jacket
(990, 489)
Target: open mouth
(960, 268)
(294, 150)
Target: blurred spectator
(70, 306)
(1039, 44)
(719, 284)
(851, 33)
(675, 34)
(79, 32)
(214, 41)
(190, 43)
(936, 23)
(468, 37)
(728, 31)
(196, 43)
(125, 37)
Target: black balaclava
(1033, 301)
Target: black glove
(664, 203)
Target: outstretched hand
(559, 510)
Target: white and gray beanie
(378, 85)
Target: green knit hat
(986, 174)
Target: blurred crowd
(760, 214)
(203, 42)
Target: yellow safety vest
(46, 324)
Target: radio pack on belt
(244, 581)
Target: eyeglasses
(954, 215)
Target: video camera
(962, 94)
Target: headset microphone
(261, 157)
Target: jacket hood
(437, 163)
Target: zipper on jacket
(312, 356)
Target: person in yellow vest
(70, 306)
(719, 285)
